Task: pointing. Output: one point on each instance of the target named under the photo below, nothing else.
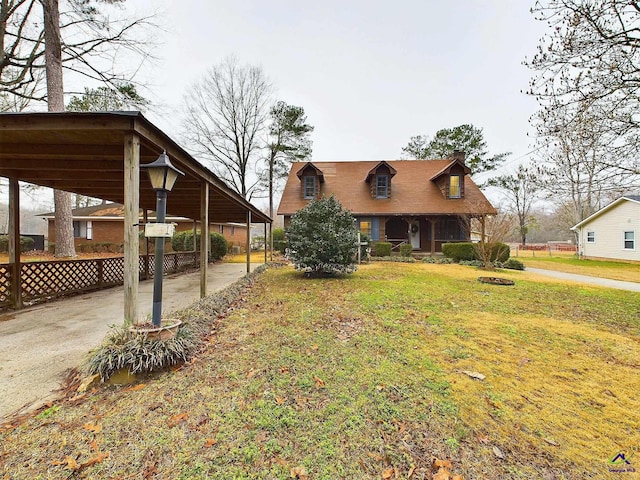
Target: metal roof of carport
(83, 152)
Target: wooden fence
(42, 281)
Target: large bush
(183, 242)
(279, 242)
(26, 243)
(459, 251)
(322, 238)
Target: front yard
(370, 376)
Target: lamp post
(162, 175)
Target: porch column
(204, 238)
(14, 242)
(248, 241)
(131, 213)
(145, 219)
(432, 225)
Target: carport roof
(83, 152)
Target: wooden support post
(131, 221)
(14, 242)
(195, 235)
(145, 219)
(204, 236)
(265, 242)
(248, 241)
(432, 224)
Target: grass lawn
(368, 377)
(255, 257)
(568, 262)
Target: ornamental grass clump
(322, 239)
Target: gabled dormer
(379, 179)
(450, 180)
(311, 178)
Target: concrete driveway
(40, 344)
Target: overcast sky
(369, 74)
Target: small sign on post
(156, 230)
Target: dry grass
(255, 257)
(361, 376)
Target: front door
(414, 234)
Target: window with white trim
(591, 237)
(79, 229)
(630, 240)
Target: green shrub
(322, 238)
(364, 249)
(381, 249)
(513, 264)
(406, 249)
(459, 251)
(279, 242)
(183, 242)
(26, 243)
(218, 246)
(500, 252)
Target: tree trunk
(55, 101)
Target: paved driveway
(602, 282)
(39, 344)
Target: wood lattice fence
(42, 281)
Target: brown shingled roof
(412, 190)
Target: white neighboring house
(612, 232)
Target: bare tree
(32, 43)
(588, 76)
(520, 189)
(227, 113)
(92, 42)
(493, 230)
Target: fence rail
(41, 281)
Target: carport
(99, 155)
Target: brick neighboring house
(422, 202)
(105, 223)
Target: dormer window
(455, 186)
(309, 186)
(382, 186)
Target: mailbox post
(162, 175)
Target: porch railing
(41, 281)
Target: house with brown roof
(104, 223)
(422, 202)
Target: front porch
(426, 234)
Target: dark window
(630, 240)
(382, 186)
(79, 229)
(309, 187)
(591, 237)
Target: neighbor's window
(630, 240)
(454, 186)
(382, 186)
(221, 229)
(309, 187)
(79, 229)
(233, 230)
(365, 226)
(591, 237)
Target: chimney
(458, 155)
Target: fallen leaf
(251, 373)
(284, 369)
(457, 477)
(210, 442)
(441, 464)
(94, 445)
(177, 419)
(71, 463)
(135, 388)
(380, 387)
(281, 400)
(498, 453)
(93, 427)
(388, 473)
(483, 439)
(442, 474)
(279, 461)
(375, 456)
(93, 460)
(319, 381)
(299, 472)
(551, 442)
(411, 470)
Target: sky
(369, 74)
